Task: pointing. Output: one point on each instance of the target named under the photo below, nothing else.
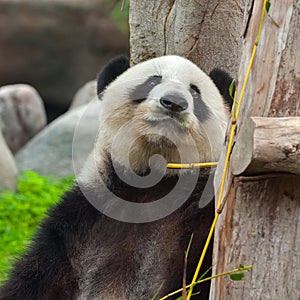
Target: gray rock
(22, 114)
(57, 46)
(85, 94)
(8, 168)
(50, 152)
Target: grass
(21, 212)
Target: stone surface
(85, 94)
(50, 152)
(22, 114)
(57, 46)
(8, 168)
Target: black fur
(45, 271)
(66, 248)
(78, 249)
(223, 81)
(111, 71)
(141, 92)
(201, 110)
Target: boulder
(8, 168)
(50, 152)
(85, 94)
(22, 114)
(57, 46)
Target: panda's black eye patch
(194, 88)
(201, 110)
(141, 92)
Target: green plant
(21, 212)
(120, 15)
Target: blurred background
(50, 54)
(58, 45)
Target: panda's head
(164, 106)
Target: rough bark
(207, 32)
(260, 224)
(260, 227)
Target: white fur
(124, 122)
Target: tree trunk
(260, 224)
(207, 32)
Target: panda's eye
(141, 92)
(194, 88)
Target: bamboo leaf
(237, 276)
(268, 5)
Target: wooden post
(260, 224)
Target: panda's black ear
(111, 71)
(223, 82)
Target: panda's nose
(173, 103)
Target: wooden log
(267, 145)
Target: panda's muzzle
(173, 103)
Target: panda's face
(159, 106)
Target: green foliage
(268, 5)
(232, 88)
(21, 212)
(121, 16)
(237, 276)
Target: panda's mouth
(166, 116)
(172, 122)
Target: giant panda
(90, 246)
